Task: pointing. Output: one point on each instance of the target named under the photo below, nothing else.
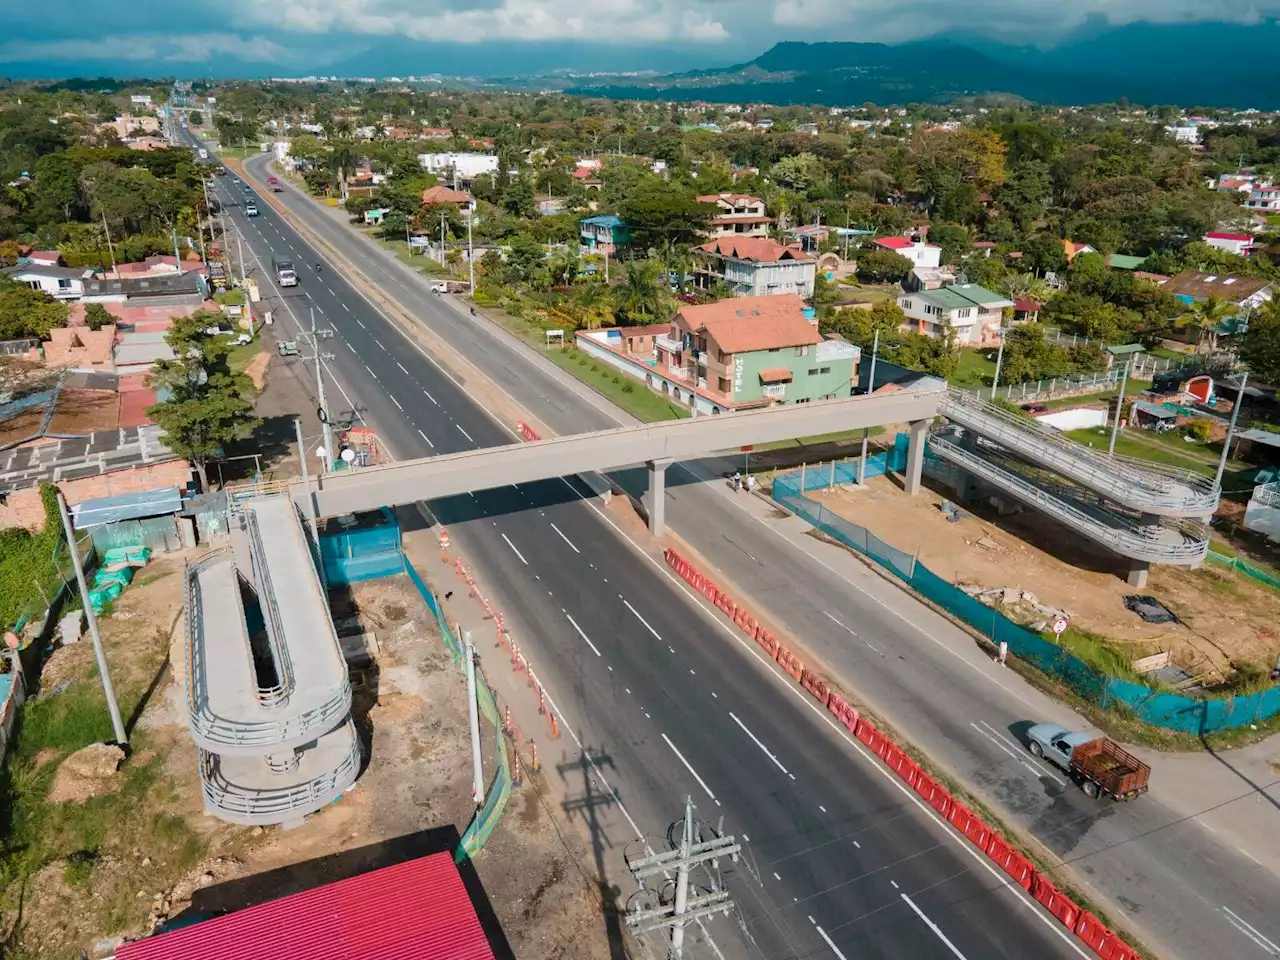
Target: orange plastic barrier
(1055, 901)
(527, 431)
(843, 711)
(868, 734)
(909, 771)
(816, 685)
(1019, 869)
(789, 662)
(767, 642)
(934, 794)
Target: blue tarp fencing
(1173, 711)
(368, 550)
(836, 473)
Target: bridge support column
(1138, 570)
(655, 503)
(915, 456)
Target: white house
(1241, 244)
(140, 99)
(467, 166)
(755, 267)
(62, 283)
(920, 254)
(1185, 133)
(740, 215)
(1263, 197)
(973, 313)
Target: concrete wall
(1075, 419)
(649, 377)
(23, 508)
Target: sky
(305, 34)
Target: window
(802, 400)
(906, 304)
(723, 385)
(64, 284)
(824, 369)
(34, 284)
(802, 351)
(774, 349)
(720, 356)
(965, 313)
(813, 371)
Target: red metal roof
(1243, 237)
(416, 910)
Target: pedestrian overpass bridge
(656, 445)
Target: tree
(196, 118)
(801, 171)
(517, 198)
(1043, 253)
(660, 213)
(1088, 273)
(25, 312)
(1260, 345)
(1207, 317)
(640, 297)
(861, 326)
(954, 241)
(342, 160)
(882, 266)
(209, 405)
(96, 316)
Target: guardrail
(262, 807)
(1115, 531)
(277, 695)
(212, 731)
(1148, 487)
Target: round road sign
(1060, 626)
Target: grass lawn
(1164, 353)
(242, 355)
(869, 292)
(974, 369)
(638, 400)
(1169, 449)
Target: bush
(595, 368)
(1199, 430)
(628, 388)
(616, 378)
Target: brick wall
(24, 509)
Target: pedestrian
(1003, 655)
(737, 482)
(751, 482)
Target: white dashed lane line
(582, 635)
(641, 619)
(688, 766)
(514, 550)
(464, 433)
(396, 402)
(565, 539)
(426, 438)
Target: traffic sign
(1060, 626)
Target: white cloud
(148, 47)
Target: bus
(285, 274)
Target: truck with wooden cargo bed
(1101, 766)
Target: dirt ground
(166, 857)
(1224, 617)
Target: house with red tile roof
(754, 267)
(442, 196)
(1241, 244)
(920, 254)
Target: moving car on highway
(250, 209)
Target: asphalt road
(1186, 893)
(849, 863)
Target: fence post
(833, 473)
(802, 466)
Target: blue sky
(308, 33)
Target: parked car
(1035, 407)
(1101, 766)
(251, 210)
(287, 348)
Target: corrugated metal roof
(126, 506)
(416, 910)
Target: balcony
(670, 344)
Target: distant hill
(1194, 64)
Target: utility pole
(995, 378)
(471, 257)
(1115, 425)
(111, 250)
(312, 339)
(108, 690)
(473, 717)
(866, 431)
(682, 909)
(442, 238)
(1231, 432)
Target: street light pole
(324, 407)
(471, 256)
(108, 690)
(1231, 432)
(1115, 425)
(995, 379)
(866, 431)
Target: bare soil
(1224, 617)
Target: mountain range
(1192, 64)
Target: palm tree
(640, 297)
(596, 303)
(1017, 286)
(1208, 316)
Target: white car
(439, 288)
(250, 209)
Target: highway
(1186, 891)
(849, 863)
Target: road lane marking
(850, 631)
(464, 433)
(348, 309)
(583, 635)
(702, 783)
(430, 397)
(402, 369)
(379, 343)
(1016, 756)
(642, 620)
(932, 926)
(515, 551)
(350, 347)
(756, 741)
(1251, 932)
(564, 538)
(775, 875)
(396, 402)
(894, 884)
(834, 949)
(426, 438)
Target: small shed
(1153, 416)
(1124, 352)
(148, 518)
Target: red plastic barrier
(527, 431)
(1019, 869)
(1055, 901)
(909, 771)
(1091, 930)
(959, 816)
(997, 849)
(973, 827)
(789, 662)
(726, 605)
(843, 711)
(816, 685)
(867, 733)
(934, 793)
(766, 641)
(745, 622)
